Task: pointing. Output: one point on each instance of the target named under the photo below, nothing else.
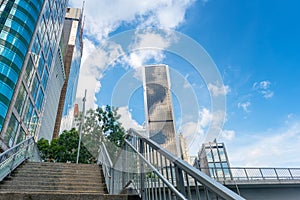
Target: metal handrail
(254, 173)
(13, 157)
(105, 161)
(178, 194)
(205, 180)
(168, 176)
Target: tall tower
(158, 107)
(72, 51)
(29, 35)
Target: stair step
(57, 172)
(53, 182)
(34, 187)
(66, 196)
(50, 164)
(63, 181)
(55, 179)
(56, 175)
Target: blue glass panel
(36, 47)
(49, 60)
(40, 99)
(41, 65)
(26, 6)
(36, 3)
(21, 98)
(34, 87)
(6, 90)
(3, 110)
(45, 78)
(29, 71)
(8, 72)
(14, 41)
(18, 28)
(8, 53)
(11, 132)
(28, 111)
(24, 18)
(33, 123)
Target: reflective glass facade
(30, 31)
(72, 48)
(158, 107)
(213, 160)
(56, 81)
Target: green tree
(44, 148)
(100, 125)
(64, 149)
(111, 127)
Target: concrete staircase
(61, 181)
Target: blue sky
(255, 46)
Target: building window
(34, 87)
(11, 131)
(28, 113)
(40, 99)
(33, 123)
(41, 65)
(29, 71)
(45, 78)
(22, 136)
(21, 98)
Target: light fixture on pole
(81, 125)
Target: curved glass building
(29, 34)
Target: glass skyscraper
(63, 82)
(159, 108)
(72, 50)
(29, 42)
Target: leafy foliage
(110, 125)
(64, 149)
(99, 126)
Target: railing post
(276, 174)
(179, 180)
(124, 164)
(13, 160)
(291, 173)
(262, 175)
(26, 152)
(141, 150)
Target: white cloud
(104, 17)
(267, 94)
(127, 120)
(227, 135)
(245, 106)
(196, 132)
(263, 88)
(218, 90)
(279, 149)
(264, 84)
(94, 62)
(205, 118)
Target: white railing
(13, 157)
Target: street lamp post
(81, 125)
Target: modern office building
(72, 50)
(55, 83)
(158, 107)
(30, 33)
(213, 160)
